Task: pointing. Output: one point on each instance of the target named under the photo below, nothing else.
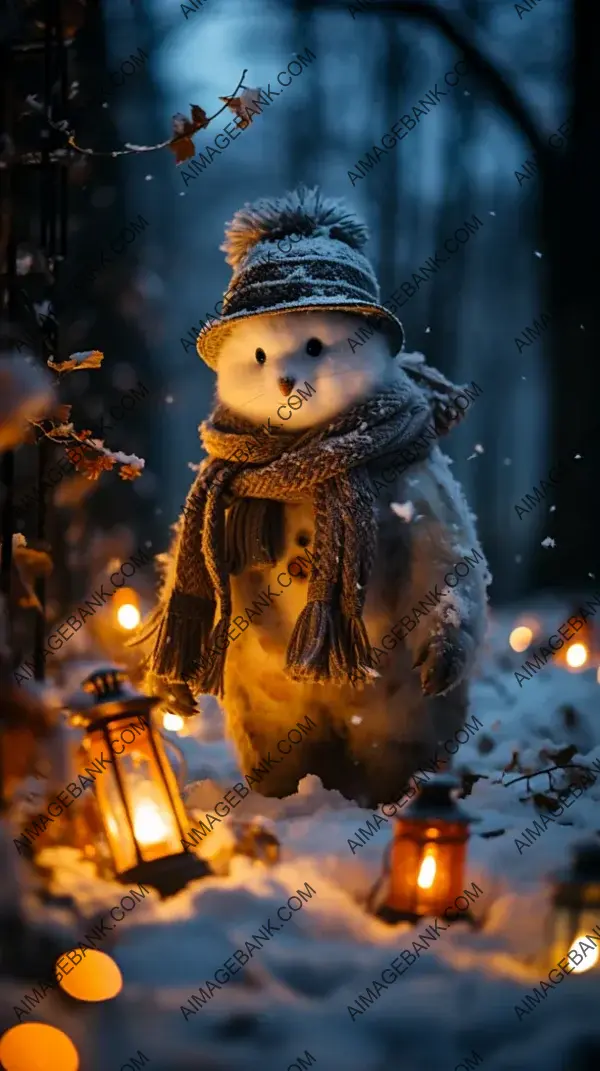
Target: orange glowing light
(576, 655)
(37, 1047)
(520, 638)
(128, 616)
(426, 876)
(174, 722)
(149, 825)
(587, 963)
(97, 977)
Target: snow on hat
(323, 269)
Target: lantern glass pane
(427, 866)
(157, 818)
(571, 927)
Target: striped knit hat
(323, 267)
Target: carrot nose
(286, 385)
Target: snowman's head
(266, 359)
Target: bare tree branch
(482, 66)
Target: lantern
(575, 918)
(138, 806)
(428, 854)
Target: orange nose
(286, 385)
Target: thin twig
(130, 149)
(526, 777)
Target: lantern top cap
(434, 801)
(103, 689)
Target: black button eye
(314, 347)
(302, 539)
(260, 356)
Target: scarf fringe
(213, 678)
(357, 653)
(182, 635)
(316, 636)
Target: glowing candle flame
(128, 616)
(427, 872)
(148, 824)
(174, 722)
(587, 963)
(520, 638)
(577, 655)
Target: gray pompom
(300, 212)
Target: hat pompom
(301, 212)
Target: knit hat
(323, 268)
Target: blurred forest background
(530, 71)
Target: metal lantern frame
(576, 905)
(433, 818)
(116, 702)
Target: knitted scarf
(329, 639)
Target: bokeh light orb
(97, 977)
(174, 722)
(576, 655)
(520, 638)
(585, 966)
(37, 1047)
(128, 616)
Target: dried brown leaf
(183, 148)
(78, 361)
(199, 117)
(61, 431)
(242, 106)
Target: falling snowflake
(538, 254)
(491, 213)
(149, 178)
(427, 330)
(577, 457)
(518, 558)
(548, 542)
(479, 448)
(552, 509)
(593, 575)
(507, 461)
(582, 327)
(169, 399)
(405, 510)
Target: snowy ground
(294, 994)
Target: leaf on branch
(183, 148)
(199, 117)
(182, 144)
(544, 802)
(61, 431)
(562, 757)
(93, 467)
(513, 764)
(130, 472)
(77, 361)
(240, 105)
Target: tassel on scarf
(183, 632)
(311, 644)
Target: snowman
(308, 585)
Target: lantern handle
(381, 878)
(182, 772)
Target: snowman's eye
(314, 347)
(260, 356)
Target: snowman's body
(365, 740)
